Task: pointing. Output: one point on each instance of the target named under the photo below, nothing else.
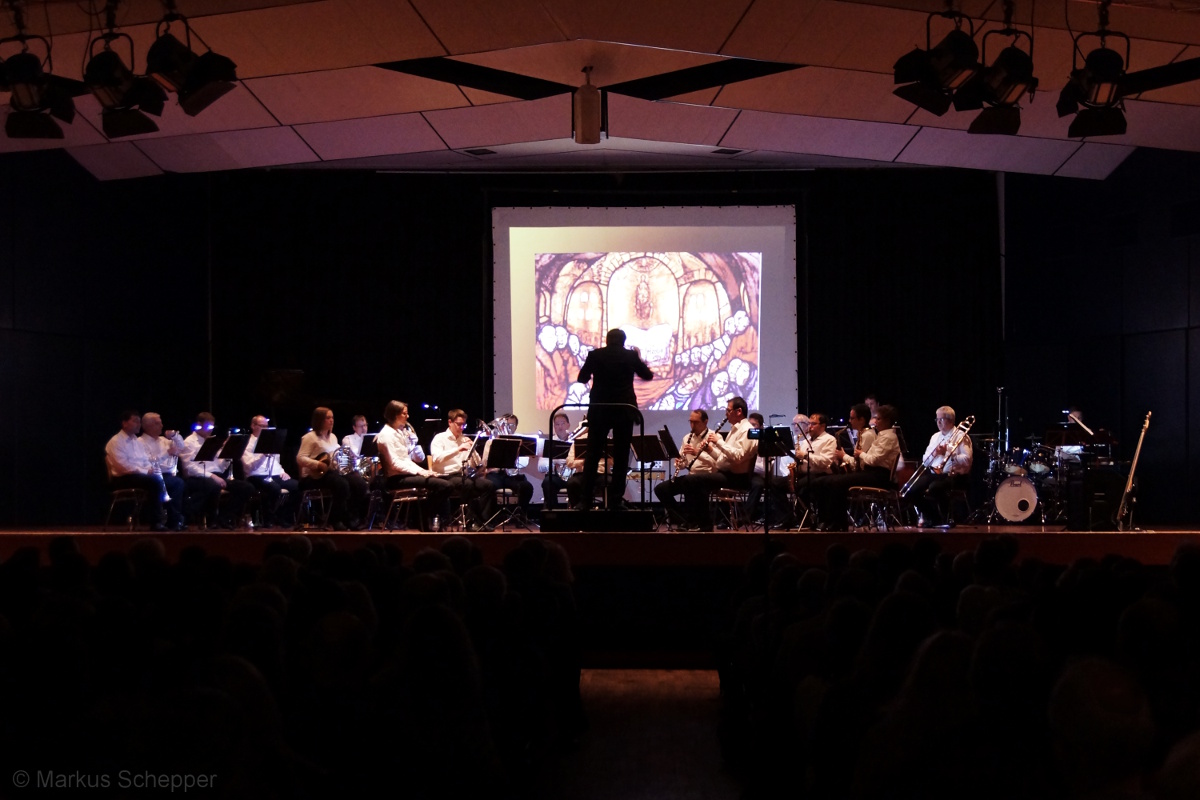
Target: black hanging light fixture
(1000, 85)
(125, 98)
(38, 97)
(198, 80)
(933, 75)
(1093, 92)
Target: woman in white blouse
(317, 471)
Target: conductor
(610, 369)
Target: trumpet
(939, 464)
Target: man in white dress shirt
(206, 479)
(697, 458)
(873, 466)
(130, 466)
(447, 453)
(932, 490)
(354, 440)
(266, 474)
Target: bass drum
(1016, 499)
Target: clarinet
(705, 445)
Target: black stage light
(199, 80)
(1093, 92)
(36, 95)
(123, 96)
(1000, 85)
(934, 74)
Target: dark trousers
(478, 493)
(601, 421)
(439, 493)
(695, 489)
(931, 495)
(155, 508)
(776, 489)
(518, 484)
(273, 504)
(552, 484)
(575, 487)
(830, 492)
(349, 495)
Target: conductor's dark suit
(611, 370)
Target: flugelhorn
(938, 463)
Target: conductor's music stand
(502, 454)
(270, 444)
(647, 449)
(772, 443)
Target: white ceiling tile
(114, 161)
(874, 141)
(211, 152)
(948, 148)
(363, 138)
(504, 123)
(1094, 160)
(351, 93)
(667, 122)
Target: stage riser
(597, 521)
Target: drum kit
(1028, 481)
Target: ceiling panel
(769, 28)
(75, 134)
(868, 37)
(498, 26)
(874, 141)
(237, 110)
(211, 152)
(363, 138)
(667, 122)
(1094, 160)
(319, 36)
(351, 93)
(947, 148)
(1160, 125)
(116, 161)
(611, 63)
(820, 92)
(675, 24)
(484, 126)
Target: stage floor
(1051, 543)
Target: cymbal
(1033, 437)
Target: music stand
(556, 449)
(668, 443)
(370, 448)
(270, 444)
(647, 449)
(234, 446)
(772, 443)
(527, 445)
(502, 454)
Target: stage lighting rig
(38, 97)
(198, 80)
(932, 76)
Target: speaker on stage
(597, 521)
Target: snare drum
(1016, 499)
(1040, 463)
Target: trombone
(939, 464)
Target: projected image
(693, 316)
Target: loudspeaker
(597, 521)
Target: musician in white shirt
(206, 479)
(695, 456)
(512, 479)
(129, 464)
(449, 452)
(317, 471)
(776, 484)
(398, 445)
(555, 481)
(873, 466)
(932, 490)
(354, 440)
(266, 474)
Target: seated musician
(354, 440)
(946, 470)
(265, 473)
(576, 464)
(815, 454)
(130, 467)
(206, 479)
(697, 458)
(512, 479)
(164, 448)
(397, 443)
(450, 457)
(555, 480)
(317, 471)
(872, 464)
(776, 484)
